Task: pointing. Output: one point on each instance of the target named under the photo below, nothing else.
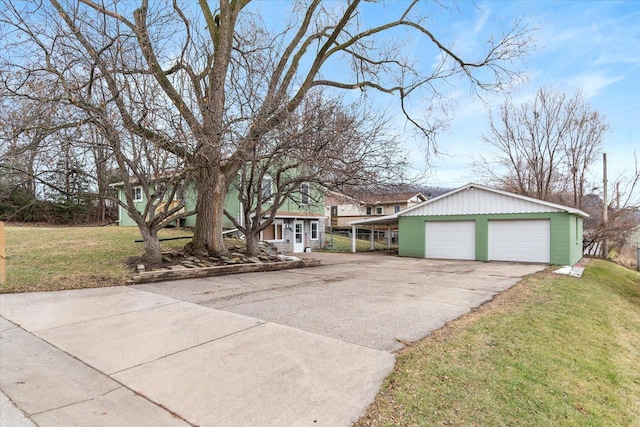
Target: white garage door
(520, 240)
(451, 239)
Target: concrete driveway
(297, 347)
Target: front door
(298, 236)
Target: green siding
(232, 205)
(125, 219)
(316, 202)
(566, 243)
(575, 241)
(482, 239)
(411, 236)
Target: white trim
(301, 217)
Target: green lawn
(553, 350)
(42, 258)
(343, 244)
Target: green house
(479, 223)
(298, 227)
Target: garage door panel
(451, 239)
(520, 240)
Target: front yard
(43, 258)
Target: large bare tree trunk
(212, 193)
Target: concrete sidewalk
(125, 357)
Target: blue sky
(593, 46)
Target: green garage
(475, 222)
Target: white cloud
(592, 84)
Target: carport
(390, 221)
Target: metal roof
(478, 204)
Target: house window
(137, 194)
(314, 230)
(368, 210)
(304, 193)
(334, 211)
(396, 209)
(267, 187)
(378, 210)
(273, 232)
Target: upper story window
(396, 209)
(267, 187)
(304, 193)
(378, 210)
(137, 194)
(368, 210)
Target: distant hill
(432, 192)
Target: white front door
(298, 236)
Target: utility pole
(605, 207)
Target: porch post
(388, 236)
(372, 238)
(353, 239)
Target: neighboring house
(299, 224)
(475, 222)
(343, 209)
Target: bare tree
(203, 58)
(48, 66)
(623, 213)
(322, 145)
(545, 147)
